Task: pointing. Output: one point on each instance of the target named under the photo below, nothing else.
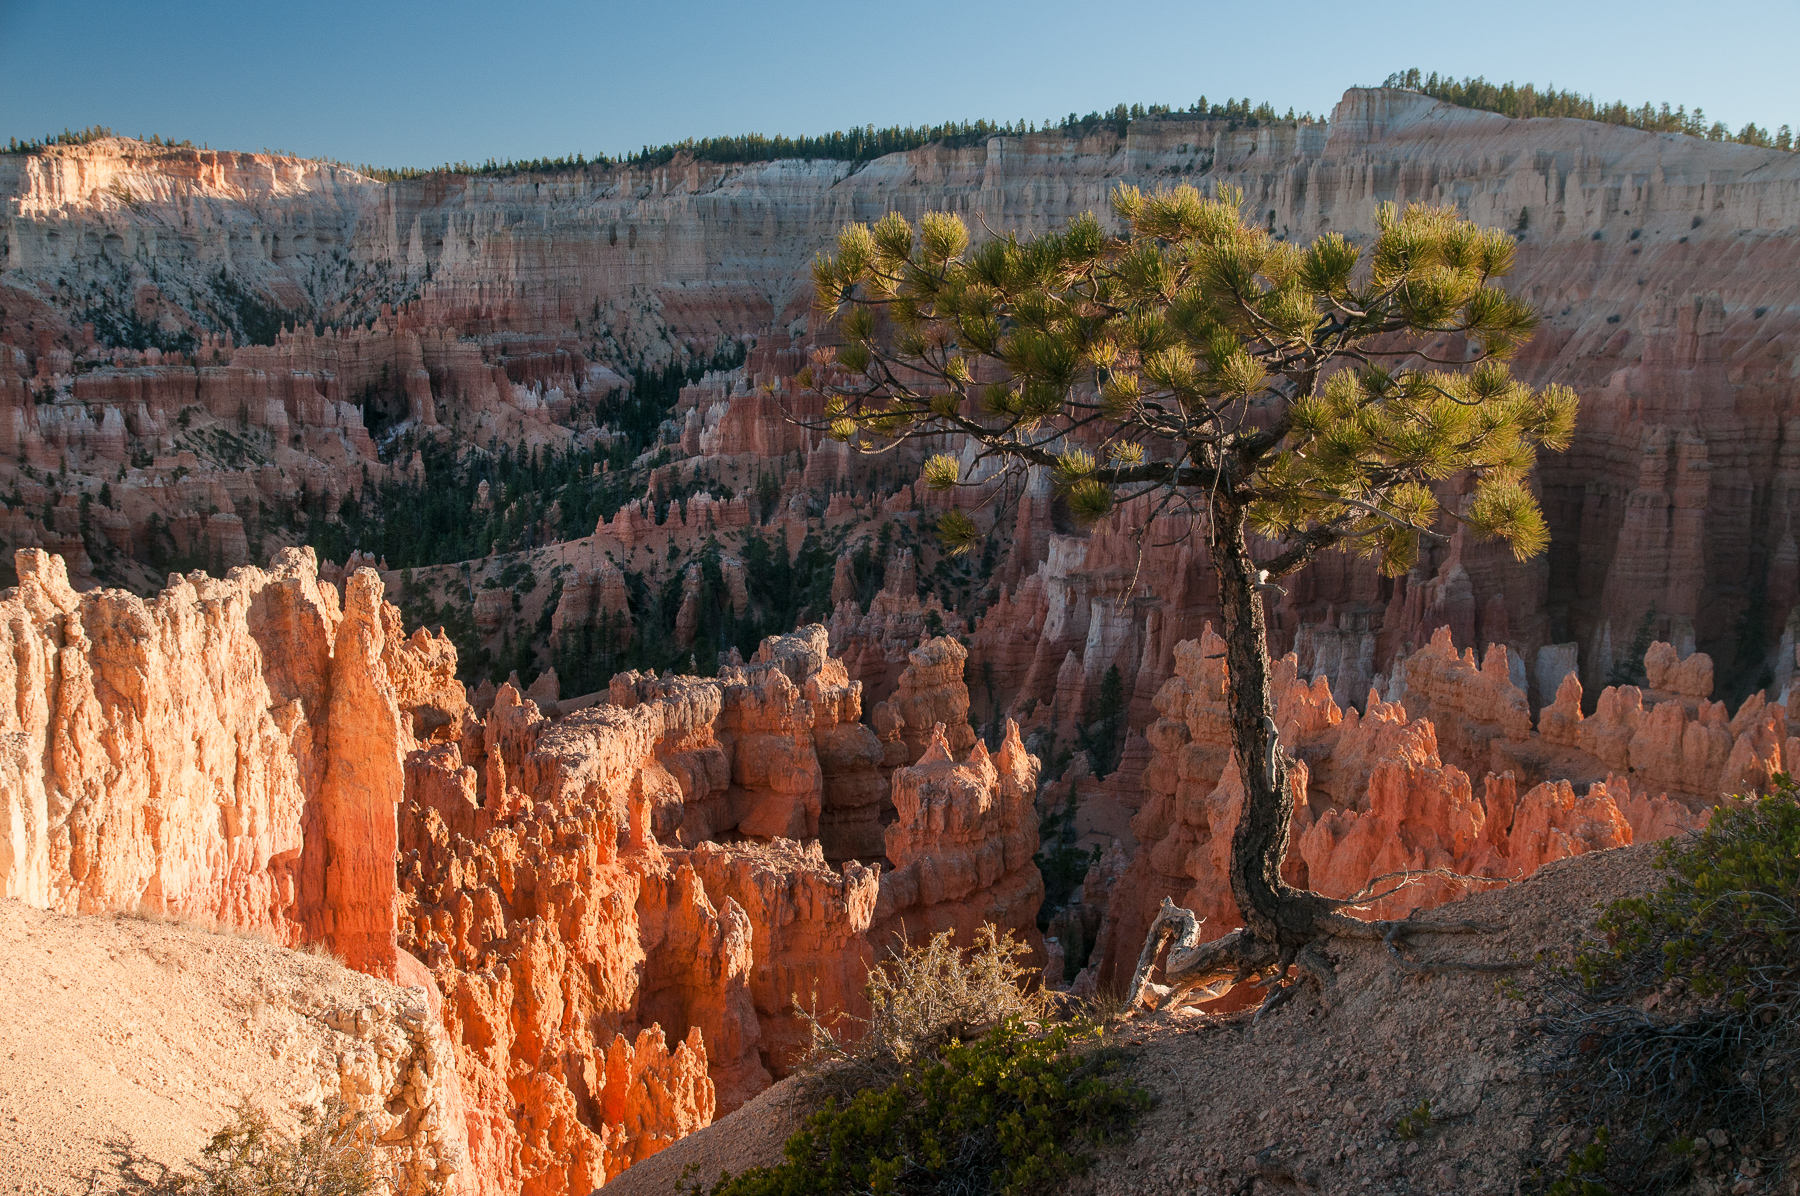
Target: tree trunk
(1274, 912)
(1281, 923)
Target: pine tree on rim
(1309, 397)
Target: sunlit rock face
(229, 751)
(620, 893)
(1393, 788)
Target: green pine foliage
(535, 495)
(1628, 669)
(1103, 737)
(1173, 334)
(67, 137)
(1278, 399)
(784, 592)
(1060, 861)
(1524, 100)
(868, 143)
(1007, 1114)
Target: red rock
(1692, 678)
(363, 784)
(810, 930)
(1374, 794)
(931, 691)
(1471, 705)
(962, 846)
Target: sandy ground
(751, 1136)
(132, 1040)
(1309, 1100)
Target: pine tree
(1198, 366)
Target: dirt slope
(752, 1136)
(1308, 1100)
(125, 1031)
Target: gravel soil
(751, 1136)
(126, 1043)
(1311, 1099)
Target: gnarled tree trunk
(1280, 921)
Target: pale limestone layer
(1659, 262)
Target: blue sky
(417, 84)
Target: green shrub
(1684, 1018)
(1008, 1113)
(1585, 1170)
(1414, 1121)
(1725, 924)
(950, 1085)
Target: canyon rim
(438, 572)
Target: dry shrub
(1107, 1007)
(331, 1155)
(954, 1086)
(923, 997)
(320, 949)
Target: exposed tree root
(1204, 971)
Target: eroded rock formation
(654, 869)
(1655, 306)
(621, 901)
(962, 844)
(620, 905)
(1384, 792)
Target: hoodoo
(484, 582)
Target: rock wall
(539, 936)
(620, 905)
(674, 863)
(235, 752)
(1655, 259)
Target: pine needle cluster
(1329, 387)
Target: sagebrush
(922, 997)
(330, 1155)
